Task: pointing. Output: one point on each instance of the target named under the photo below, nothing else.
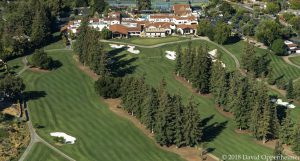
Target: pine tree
(164, 128)
(265, 128)
(80, 44)
(296, 140)
(290, 90)
(179, 58)
(149, 111)
(287, 129)
(275, 124)
(248, 57)
(241, 108)
(179, 122)
(40, 25)
(204, 71)
(278, 151)
(192, 126)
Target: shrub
(41, 59)
(279, 47)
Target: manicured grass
(295, 60)
(150, 41)
(279, 66)
(41, 152)
(64, 100)
(160, 52)
(221, 140)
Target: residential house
(159, 29)
(187, 29)
(183, 10)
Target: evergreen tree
(178, 66)
(265, 128)
(241, 108)
(290, 90)
(248, 57)
(287, 129)
(80, 44)
(192, 126)
(40, 26)
(149, 111)
(164, 128)
(179, 122)
(278, 151)
(296, 140)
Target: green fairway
(221, 140)
(295, 60)
(41, 152)
(150, 41)
(279, 66)
(64, 100)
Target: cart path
(34, 137)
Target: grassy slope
(279, 66)
(41, 152)
(227, 142)
(295, 60)
(151, 41)
(70, 105)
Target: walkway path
(288, 61)
(34, 137)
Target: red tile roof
(182, 9)
(117, 28)
(183, 26)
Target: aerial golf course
(64, 100)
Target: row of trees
(90, 50)
(162, 113)
(194, 64)
(246, 98)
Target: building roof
(161, 16)
(184, 26)
(165, 25)
(117, 28)
(182, 9)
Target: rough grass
(295, 60)
(41, 152)
(64, 100)
(279, 66)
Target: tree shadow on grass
(56, 64)
(33, 95)
(232, 40)
(119, 65)
(210, 132)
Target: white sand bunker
(213, 54)
(116, 46)
(171, 55)
(68, 139)
(131, 50)
(281, 103)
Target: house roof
(182, 9)
(165, 25)
(117, 28)
(184, 26)
(161, 16)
